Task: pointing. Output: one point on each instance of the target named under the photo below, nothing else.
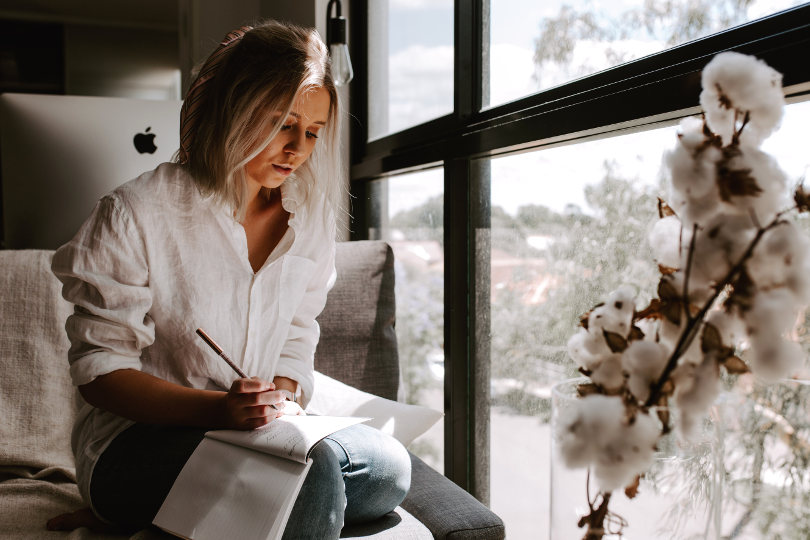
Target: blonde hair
(265, 71)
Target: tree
(661, 23)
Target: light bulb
(342, 71)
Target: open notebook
(243, 484)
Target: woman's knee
(377, 472)
(318, 511)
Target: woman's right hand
(249, 404)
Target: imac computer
(60, 154)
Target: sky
(420, 57)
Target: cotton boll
(720, 246)
(608, 374)
(773, 181)
(692, 164)
(644, 362)
(587, 350)
(775, 358)
(665, 241)
(730, 326)
(629, 453)
(734, 81)
(700, 286)
(586, 427)
(772, 313)
(769, 178)
(668, 335)
(693, 169)
(615, 315)
(782, 259)
(696, 388)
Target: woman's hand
(249, 404)
(292, 408)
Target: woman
(236, 238)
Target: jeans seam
(348, 455)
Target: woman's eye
(285, 127)
(312, 135)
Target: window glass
(569, 225)
(410, 63)
(537, 45)
(412, 223)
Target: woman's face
(291, 147)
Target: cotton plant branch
(721, 184)
(693, 322)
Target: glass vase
(745, 476)
(680, 497)
(766, 457)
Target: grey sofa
(37, 401)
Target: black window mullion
(466, 358)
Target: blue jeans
(358, 474)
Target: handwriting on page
(290, 437)
(281, 435)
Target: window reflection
(415, 231)
(410, 58)
(538, 45)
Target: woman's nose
(295, 143)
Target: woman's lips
(282, 170)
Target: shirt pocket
(296, 273)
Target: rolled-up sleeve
(298, 353)
(104, 273)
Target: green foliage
(588, 256)
(668, 22)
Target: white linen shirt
(155, 261)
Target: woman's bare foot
(80, 518)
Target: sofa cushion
(358, 343)
(37, 397)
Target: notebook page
(227, 491)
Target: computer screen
(60, 154)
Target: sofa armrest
(447, 510)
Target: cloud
(420, 85)
(511, 73)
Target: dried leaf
(652, 311)
(616, 342)
(742, 292)
(586, 372)
(736, 183)
(666, 270)
(664, 210)
(583, 320)
(635, 334)
(725, 102)
(587, 389)
(663, 415)
(632, 490)
(712, 343)
(735, 366)
(710, 340)
(671, 301)
(802, 199)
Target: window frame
(658, 87)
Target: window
(537, 45)
(537, 179)
(414, 206)
(410, 58)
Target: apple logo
(145, 142)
